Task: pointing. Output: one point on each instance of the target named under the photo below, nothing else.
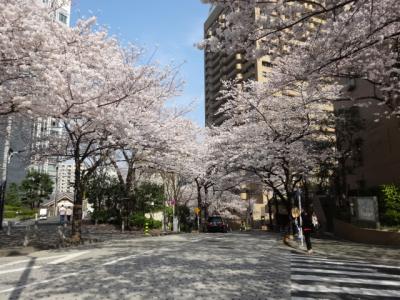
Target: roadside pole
(164, 216)
(300, 219)
(56, 192)
(197, 211)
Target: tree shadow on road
(23, 280)
(236, 268)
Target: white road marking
(31, 258)
(67, 257)
(112, 262)
(19, 269)
(36, 283)
(325, 271)
(345, 280)
(344, 262)
(303, 298)
(336, 267)
(344, 290)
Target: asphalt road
(205, 266)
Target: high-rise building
(65, 178)
(22, 132)
(378, 158)
(220, 66)
(378, 147)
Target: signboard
(196, 210)
(367, 208)
(295, 212)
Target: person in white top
(69, 214)
(62, 211)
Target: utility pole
(6, 160)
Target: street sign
(196, 210)
(295, 212)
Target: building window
(62, 18)
(267, 64)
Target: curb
(17, 251)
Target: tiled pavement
(231, 266)
(206, 266)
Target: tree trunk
(205, 203)
(78, 200)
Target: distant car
(216, 224)
(43, 214)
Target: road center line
(67, 257)
(112, 262)
(30, 259)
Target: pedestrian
(307, 227)
(62, 211)
(69, 214)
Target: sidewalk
(330, 246)
(47, 237)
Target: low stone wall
(369, 236)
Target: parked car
(216, 224)
(43, 214)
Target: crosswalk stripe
(328, 271)
(337, 267)
(345, 280)
(312, 277)
(346, 262)
(344, 290)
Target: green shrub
(12, 207)
(9, 214)
(138, 220)
(105, 216)
(391, 204)
(154, 224)
(392, 217)
(23, 213)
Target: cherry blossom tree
(103, 98)
(29, 51)
(279, 136)
(198, 164)
(149, 155)
(228, 205)
(335, 39)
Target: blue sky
(170, 26)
